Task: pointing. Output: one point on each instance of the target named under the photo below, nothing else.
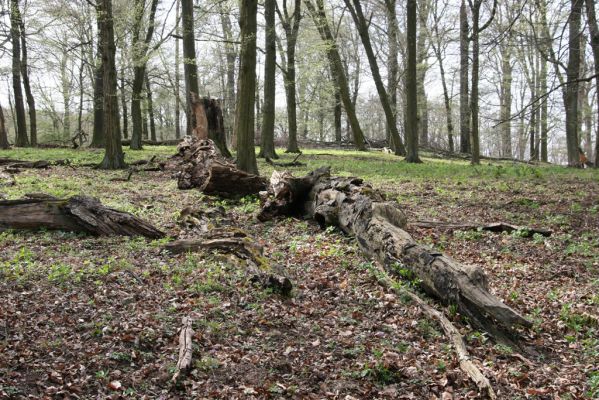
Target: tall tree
(190, 68)
(572, 84)
(421, 69)
(150, 100)
(139, 51)
(291, 24)
(594, 35)
(355, 9)
(475, 7)
(3, 132)
(464, 85)
(113, 156)
(324, 29)
(98, 134)
(15, 34)
(267, 147)
(244, 119)
(392, 63)
(27, 86)
(177, 72)
(411, 121)
(231, 57)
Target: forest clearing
(99, 317)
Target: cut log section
(497, 227)
(243, 247)
(77, 214)
(199, 164)
(378, 225)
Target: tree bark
(594, 34)
(177, 73)
(464, 72)
(421, 68)
(3, 132)
(267, 145)
(321, 22)
(98, 135)
(190, 68)
(150, 108)
(15, 32)
(506, 102)
(231, 56)
(362, 25)
(124, 102)
(392, 63)
(244, 116)
(411, 121)
(474, 134)
(77, 214)
(113, 156)
(572, 85)
(27, 87)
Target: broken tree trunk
(378, 225)
(207, 122)
(199, 164)
(243, 247)
(185, 348)
(497, 227)
(77, 214)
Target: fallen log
(243, 247)
(185, 348)
(39, 164)
(293, 163)
(378, 225)
(77, 214)
(452, 333)
(497, 227)
(199, 164)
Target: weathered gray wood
(77, 214)
(378, 225)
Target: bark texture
(3, 132)
(15, 32)
(267, 145)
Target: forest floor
(97, 317)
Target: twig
(450, 330)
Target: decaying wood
(199, 164)
(452, 333)
(77, 214)
(524, 231)
(40, 164)
(378, 225)
(6, 179)
(207, 122)
(185, 348)
(242, 246)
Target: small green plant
(503, 349)
(59, 273)
(206, 364)
(593, 383)
(471, 235)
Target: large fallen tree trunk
(77, 214)
(199, 164)
(498, 227)
(378, 225)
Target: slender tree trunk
(411, 85)
(544, 124)
(124, 103)
(506, 102)
(337, 115)
(421, 68)
(392, 63)
(267, 148)
(594, 34)
(588, 121)
(21, 125)
(98, 136)
(326, 35)
(66, 94)
(190, 69)
(464, 72)
(27, 87)
(113, 157)
(81, 93)
(231, 56)
(362, 26)
(290, 91)
(474, 134)
(150, 109)
(3, 132)
(572, 86)
(177, 74)
(244, 120)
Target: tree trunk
(267, 145)
(190, 69)
(124, 102)
(113, 156)
(150, 109)
(15, 32)
(139, 50)
(98, 136)
(362, 25)
(411, 121)
(77, 214)
(244, 116)
(326, 35)
(3, 132)
(392, 63)
(474, 134)
(506, 102)
(544, 110)
(378, 225)
(27, 87)
(572, 85)
(594, 34)
(464, 72)
(66, 94)
(421, 68)
(231, 56)
(177, 73)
